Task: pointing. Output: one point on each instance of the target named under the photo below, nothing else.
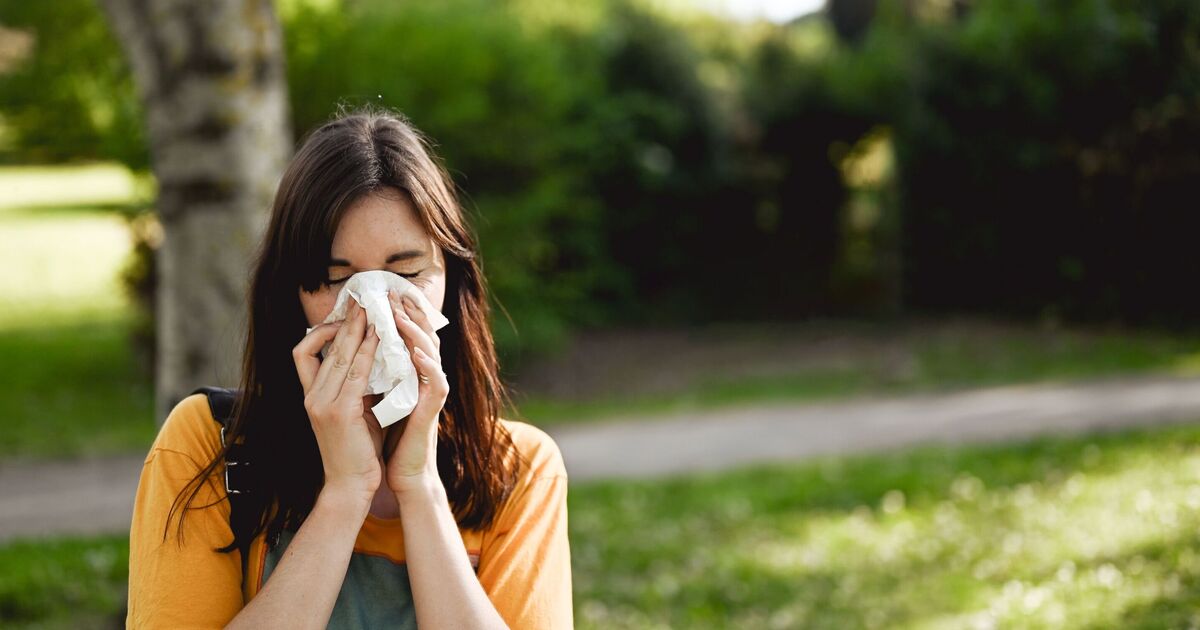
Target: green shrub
(70, 96)
(1046, 154)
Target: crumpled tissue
(393, 372)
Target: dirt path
(93, 496)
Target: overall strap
(221, 402)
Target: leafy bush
(1046, 154)
(69, 94)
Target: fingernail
(408, 302)
(419, 352)
(370, 330)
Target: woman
(450, 518)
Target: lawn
(71, 385)
(1092, 532)
(1098, 532)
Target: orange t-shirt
(522, 560)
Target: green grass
(86, 185)
(71, 383)
(73, 389)
(1084, 532)
(75, 583)
(1066, 533)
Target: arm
(445, 591)
(304, 588)
(172, 583)
(301, 592)
(525, 570)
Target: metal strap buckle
(228, 464)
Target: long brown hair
(352, 155)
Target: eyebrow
(395, 257)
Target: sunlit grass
(61, 267)
(66, 186)
(1077, 533)
(1085, 532)
(71, 385)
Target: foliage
(1046, 154)
(628, 164)
(70, 96)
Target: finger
(439, 384)
(341, 355)
(431, 396)
(307, 353)
(415, 313)
(355, 385)
(414, 336)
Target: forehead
(376, 224)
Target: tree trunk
(211, 80)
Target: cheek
(435, 292)
(317, 306)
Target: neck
(384, 504)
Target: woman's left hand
(412, 464)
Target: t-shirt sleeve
(174, 583)
(525, 565)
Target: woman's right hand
(333, 396)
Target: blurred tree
(211, 81)
(851, 18)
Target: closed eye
(327, 282)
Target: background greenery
(632, 164)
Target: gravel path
(94, 496)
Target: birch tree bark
(211, 80)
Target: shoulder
(190, 431)
(540, 490)
(541, 458)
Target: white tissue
(393, 372)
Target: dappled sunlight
(70, 249)
(93, 184)
(1188, 364)
(74, 384)
(1072, 534)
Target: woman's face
(380, 231)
